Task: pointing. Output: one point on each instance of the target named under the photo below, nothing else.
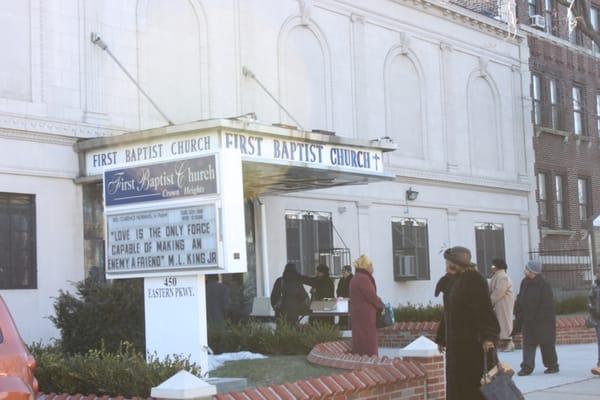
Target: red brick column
(435, 375)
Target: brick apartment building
(565, 92)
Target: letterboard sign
(171, 180)
(168, 240)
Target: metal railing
(566, 270)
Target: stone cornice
(558, 41)
(45, 126)
(29, 136)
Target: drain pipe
(264, 254)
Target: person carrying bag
(496, 382)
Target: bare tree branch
(581, 10)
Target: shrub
(260, 338)
(418, 312)
(124, 372)
(571, 305)
(101, 313)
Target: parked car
(16, 363)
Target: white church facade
(395, 130)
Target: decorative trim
(306, 7)
(39, 125)
(37, 173)
(558, 41)
(46, 138)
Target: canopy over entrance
(275, 159)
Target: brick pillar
(424, 352)
(436, 379)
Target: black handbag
(497, 383)
(386, 317)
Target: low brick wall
(569, 330)
(373, 378)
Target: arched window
(304, 78)
(483, 125)
(405, 106)
(170, 59)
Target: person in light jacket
(503, 302)
(364, 307)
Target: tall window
(17, 241)
(307, 235)
(93, 231)
(554, 110)
(410, 245)
(583, 195)
(559, 201)
(536, 95)
(577, 95)
(532, 7)
(542, 198)
(549, 16)
(489, 239)
(595, 19)
(598, 112)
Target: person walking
(594, 309)
(217, 299)
(535, 317)
(322, 288)
(364, 307)
(343, 291)
(503, 301)
(472, 327)
(288, 297)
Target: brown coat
(364, 305)
(503, 302)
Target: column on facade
(453, 238)
(364, 229)
(95, 106)
(448, 112)
(361, 122)
(518, 123)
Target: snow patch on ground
(218, 360)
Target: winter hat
(322, 268)
(347, 268)
(460, 256)
(534, 266)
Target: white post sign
(171, 223)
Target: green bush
(124, 372)
(260, 338)
(571, 305)
(418, 312)
(101, 313)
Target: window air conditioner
(538, 21)
(405, 267)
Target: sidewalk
(573, 382)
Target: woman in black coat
(535, 317)
(471, 324)
(322, 288)
(288, 297)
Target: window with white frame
(598, 112)
(542, 198)
(410, 249)
(583, 196)
(595, 19)
(577, 95)
(532, 7)
(554, 108)
(549, 16)
(489, 240)
(17, 241)
(536, 95)
(308, 234)
(559, 202)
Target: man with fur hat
(471, 325)
(535, 317)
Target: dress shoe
(596, 371)
(524, 372)
(551, 370)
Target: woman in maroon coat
(364, 306)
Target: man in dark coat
(288, 297)
(472, 327)
(343, 290)
(217, 298)
(535, 317)
(322, 288)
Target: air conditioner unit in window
(538, 21)
(405, 267)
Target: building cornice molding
(5, 170)
(558, 41)
(37, 137)
(46, 126)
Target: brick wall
(569, 330)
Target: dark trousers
(598, 342)
(549, 357)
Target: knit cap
(534, 266)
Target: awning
(275, 159)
